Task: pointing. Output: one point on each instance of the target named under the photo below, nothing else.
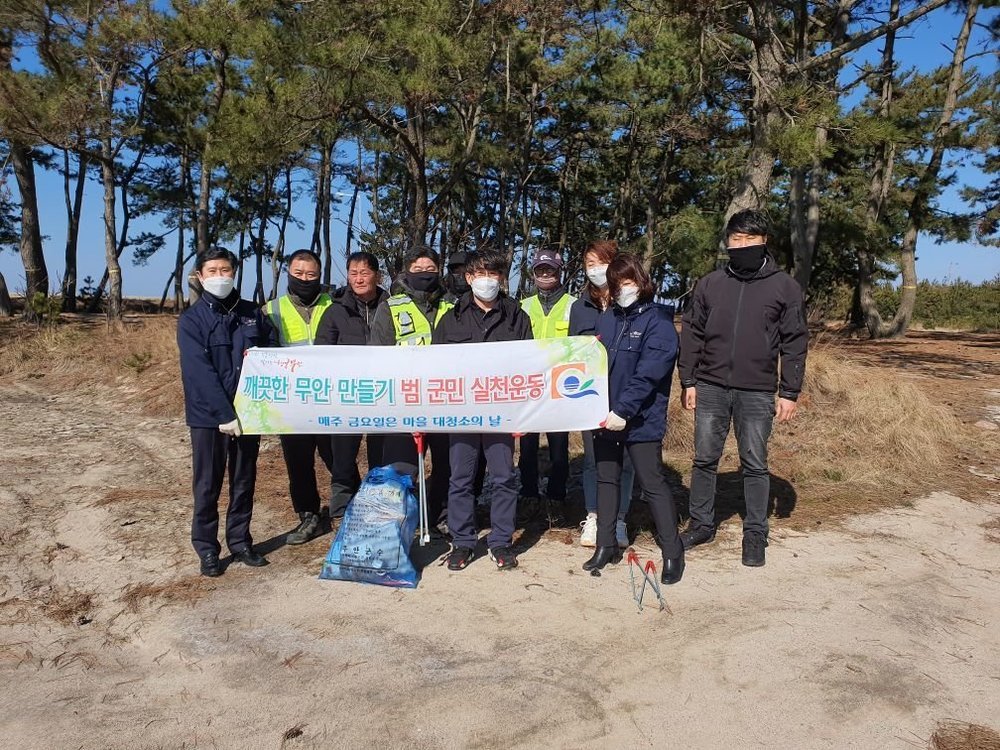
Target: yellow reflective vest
(411, 326)
(553, 325)
(288, 322)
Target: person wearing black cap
(455, 282)
(549, 311)
(296, 317)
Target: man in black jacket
(348, 322)
(739, 321)
(482, 314)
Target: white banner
(546, 385)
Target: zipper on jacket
(732, 348)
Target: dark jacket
(465, 323)
(213, 336)
(383, 329)
(583, 316)
(348, 320)
(642, 349)
(735, 328)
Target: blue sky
(924, 45)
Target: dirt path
(863, 636)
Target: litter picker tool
(425, 534)
(648, 573)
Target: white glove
(613, 422)
(231, 428)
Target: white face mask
(627, 295)
(598, 275)
(218, 286)
(486, 288)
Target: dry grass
(67, 607)
(958, 735)
(140, 359)
(863, 437)
(187, 590)
(993, 530)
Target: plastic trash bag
(373, 541)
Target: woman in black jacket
(642, 347)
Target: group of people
(739, 323)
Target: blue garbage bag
(373, 541)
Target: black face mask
(747, 260)
(423, 281)
(458, 283)
(307, 291)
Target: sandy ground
(862, 635)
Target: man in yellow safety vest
(549, 313)
(296, 316)
(408, 318)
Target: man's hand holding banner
(545, 385)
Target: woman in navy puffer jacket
(642, 347)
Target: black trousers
(345, 477)
(300, 460)
(559, 464)
(211, 452)
(648, 464)
(400, 450)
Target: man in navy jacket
(213, 336)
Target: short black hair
(486, 260)
(421, 251)
(216, 253)
(363, 256)
(304, 253)
(748, 221)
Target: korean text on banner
(546, 385)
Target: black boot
(673, 568)
(603, 556)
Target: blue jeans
(751, 414)
(588, 479)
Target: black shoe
(529, 508)
(248, 557)
(753, 550)
(210, 565)
(504, 557)
(697, 535)
(603, 556)
(460, 557)
(673, 569)
(309, 527)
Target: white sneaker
(621, 533)
(588, 538)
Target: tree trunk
(6, 306)
(74, 207)
(767, 77)
(919, 205)
(179, 260)
(258, 292)
(114, 305)
(878, 190)
(219, 57)
(278, 257)
(32, 257)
